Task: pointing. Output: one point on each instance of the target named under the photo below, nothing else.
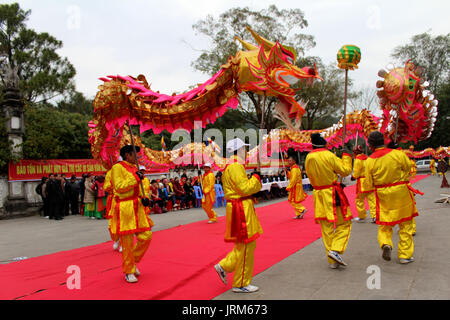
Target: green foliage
(77, 103)
(441, 132)
(42, 73)
(55, 134)
(430, 53)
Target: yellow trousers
(405, 243)
(433, 172)
(298, 207)
(335, 237)
(208, 206)
(132, 254)
(414, 225)
(240, 261)
(361, 207)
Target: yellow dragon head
(269, 69)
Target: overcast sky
(103, 37)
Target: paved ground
(303, 275)
(306, 275)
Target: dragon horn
(246, 45)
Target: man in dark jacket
(73, 194)
(55, 196)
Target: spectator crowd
(62, 196)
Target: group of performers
(383, 179)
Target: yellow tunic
(236, 185)
(209, 192)
(361, 193)
(130, 216)
(433, 167)
(295, 187)
(322, 168)
(208, 182)
(388, 171)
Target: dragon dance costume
(322, 168)
(296, 193)
(242, 223)
(361, 192)
(129, 217)
(387, 171)
(208, 182)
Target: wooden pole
(345, 107)
(263, 111)
(135, 156)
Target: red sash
(337, 188)
(400, 183)
(238, 223)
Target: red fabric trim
(380, 152)
(344, 200)
(393, 223)
(252, 238)
(319, 149)
(361, 157)
(346, 154)
(243, 266)
(257, 177)
(123, 233)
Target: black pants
(74, 206)
(56, 209)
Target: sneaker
(247, 289)
(211, 221)
(405, 261)
(120, 249)
(222, 273)
(116, 245)
(336, 257)
(46, 217)
(137, 273)
(358, 219)
(131, 278)
(387, 249)
(334, 265)
(374, 220)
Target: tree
(432, 54)
(55, 134)
(441, 132)
(325, 99)
(272, 23)
(42, 73)
(366, 98)
(77, 103)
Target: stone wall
(26, 207)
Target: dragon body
(408, 110)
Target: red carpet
(178, 265)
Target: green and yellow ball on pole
(348, 58)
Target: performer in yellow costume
(295, 187)
(209, 193)
(331, 206)
(109, 210)
(361, 193)
(130, 217)
(433, 167)
(242, 223)
(387, 171)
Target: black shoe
(387, 252)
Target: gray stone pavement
(306, 275)
(303, 275)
